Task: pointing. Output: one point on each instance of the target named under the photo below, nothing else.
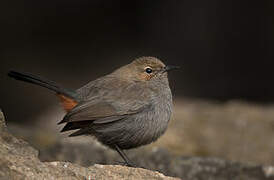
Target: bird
(126, 109)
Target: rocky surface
(158, 159)
(235, 130)
(18, 160)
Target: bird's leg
(124, 156)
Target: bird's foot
(128, 164)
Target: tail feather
(76, 125)
(82, 131)
(43, 82)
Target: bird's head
(145, 69)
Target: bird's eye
(148, 70)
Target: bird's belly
(137, 130)
(151, 128)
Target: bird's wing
(110, 105)
(101, 112)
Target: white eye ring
(148, 70)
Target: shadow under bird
(125, 109)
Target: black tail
(42, 82)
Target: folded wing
(115, 105)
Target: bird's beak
(170, 67)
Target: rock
(18, 160)
(190, 168)
(234, 130)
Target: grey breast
(148, 125)
(137, 129)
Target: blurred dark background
(224, 47)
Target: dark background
(224, 47)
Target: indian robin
(125, 109)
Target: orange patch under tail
(67, 102)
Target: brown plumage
(127, 108)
